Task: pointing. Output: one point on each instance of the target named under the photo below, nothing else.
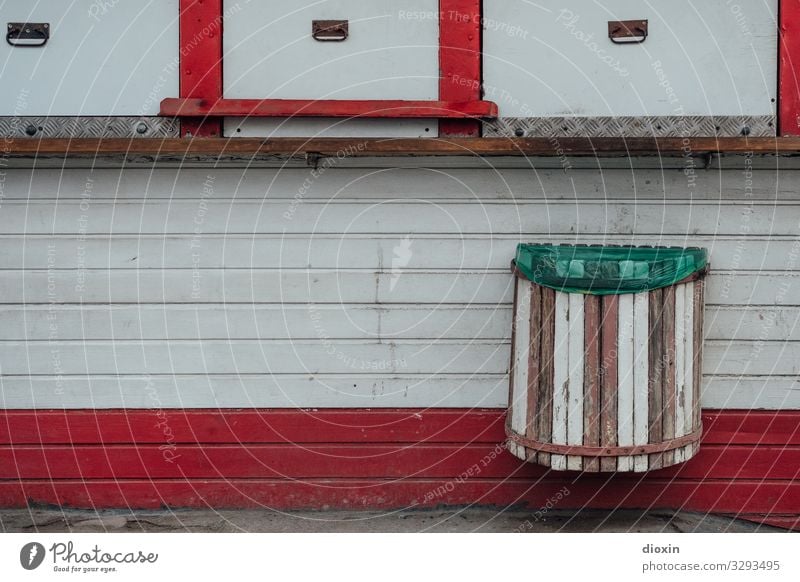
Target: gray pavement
(438, 520)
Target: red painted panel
(367, 461)
(459, 60)
(250, 426)
(327, 108)
(201, 61)
(726, 496)
(742, 427)
(789, 68)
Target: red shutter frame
(201, 105)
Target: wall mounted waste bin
(606, 356)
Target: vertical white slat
(680, 374)
(576, 364)
(522, 346)
(641, 389)
(688, 364)
(625, 361)
(560, 378)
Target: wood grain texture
(669, 398)
(291, 147)
(545, 406)
(592, 379)
(609, 379)
(561, 377)
(641, 391)
(534, 362)
(656, 364)
(576, 364)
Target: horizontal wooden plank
(212, 216)
(347, 251)
(170, 460)
(377, 390)
(341, 356)
(328, 286)
(239, 321)
(720, 496)
(18, 147)
(354, 321)
(311, 357)
(363, 425)
(393, 182)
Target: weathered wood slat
(668, 379)
(534, 324)
(641, 391)
(560, 377)
(625, 379)
(576, 388)
(546, 378)
(656, 364)
(609, 379)
(290, 147)
(592, 379)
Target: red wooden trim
(608, 377)
(720, 496)
(201, 61)
(789, 65)
(382, 461)
(326, 108)
(141, 426)
(591, 384)
(459, 60)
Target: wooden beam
(353, 147)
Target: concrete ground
(439, 520)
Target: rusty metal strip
(606, 452)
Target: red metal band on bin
(625, 451)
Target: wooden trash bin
(606, 357)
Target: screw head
(519, 132)
(141, 128)
(31, 130)
(746, 130)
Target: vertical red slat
(668, 370)
(459, 61)
(534, 362)
(545, 407)
(591, 379)
(201, 61)
(608, 369)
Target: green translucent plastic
(608, 270)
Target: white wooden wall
(357, 287)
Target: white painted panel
(259, 391)
(242, 321)
(680, 368)
(416, 183)
(392, 51)
(641, 368)
(522, 354)
(549, 58)
(103, 58)
(625, 379)
(560, 378)
(352, 357)
(576, 372)
(352, 251)
(396, 216)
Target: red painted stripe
(352, 461)
(752, 496)
(459, 61)
(327, 108)
(201, 61)
(141, 426)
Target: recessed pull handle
(329, 30)
(627, 31)
(31, 34)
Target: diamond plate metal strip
(85, 126)
(667, 126)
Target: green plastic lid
(607, 270)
